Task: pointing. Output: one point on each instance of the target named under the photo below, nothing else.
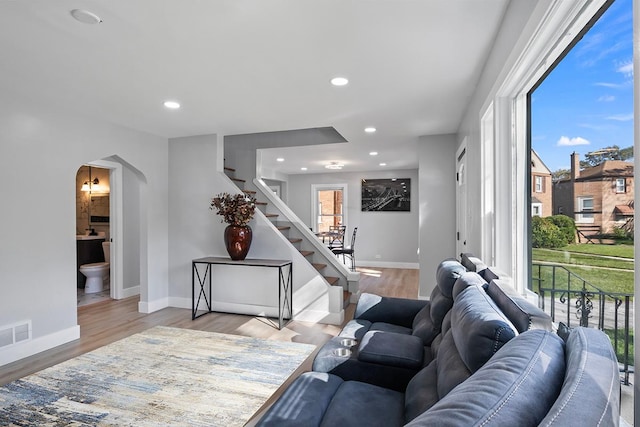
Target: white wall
(516, 30)
(195, 231)
(41, 148)
(391, 235)
(437, 160)
(131, 226)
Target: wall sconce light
(90, 185)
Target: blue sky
(586, 102)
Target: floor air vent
(13, 334)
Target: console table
(201, 279)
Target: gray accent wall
(437, 160)
(393, 236)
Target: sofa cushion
(452, 370)
(472, 263)
(361, 404)
(467, 279)
(304, 402)
(428, 321)
(591, 389)
(398, 311)
(355, 329)
(515, 388)
(523, 314)
(389, 327)
(447, 273)
(479, 327)
(422, 392)
(388, 348)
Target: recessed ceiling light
(339, 81)
(85, 16)
(173, 105)
(383, 164)
(303, 169)
(279, 159)
(373, 153)
(334, 165)
(370, 130)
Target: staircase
(310, 254)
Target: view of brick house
(599, 198)
(541, 187)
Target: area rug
(163, 376)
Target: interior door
(461, 201)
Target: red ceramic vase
(237, 239)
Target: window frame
(539, 184)
(536, 56)
(624, 185)
(581, 216)
(316, 211)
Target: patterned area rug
(163, 376)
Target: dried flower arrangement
(236, 209)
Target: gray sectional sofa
(475, 354)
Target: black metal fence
(570, 299)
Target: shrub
(545, 234)
(567, 227)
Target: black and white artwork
(386, 195)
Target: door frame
(461, 198)
(115, 225)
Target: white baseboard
(180, 302)
(382, 264)
(151, 306)
(312, 316)
(129, 292)
(29, 348)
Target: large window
(328, 206)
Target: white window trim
(536, 205)
(560, 22)
(624, 185)
(315, 203)
(580, 217)
(538, 179)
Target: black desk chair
(348, 251)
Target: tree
(614, 152)
(560, 174)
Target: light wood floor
(105, 322)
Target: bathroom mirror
(99, 209)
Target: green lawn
(621, 251)
(607, 274)
(609, 268)
(574, 258)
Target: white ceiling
(247, 66)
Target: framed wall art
(386, 195)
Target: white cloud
(565, 141)
(621, 117)
(609, 85)
(626, 68)
(607, 98)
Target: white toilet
(97, 273)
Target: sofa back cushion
(591, 390)
(428, 321)
(523, 314)
(478, 329)
(472, 263)
(515, 388)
